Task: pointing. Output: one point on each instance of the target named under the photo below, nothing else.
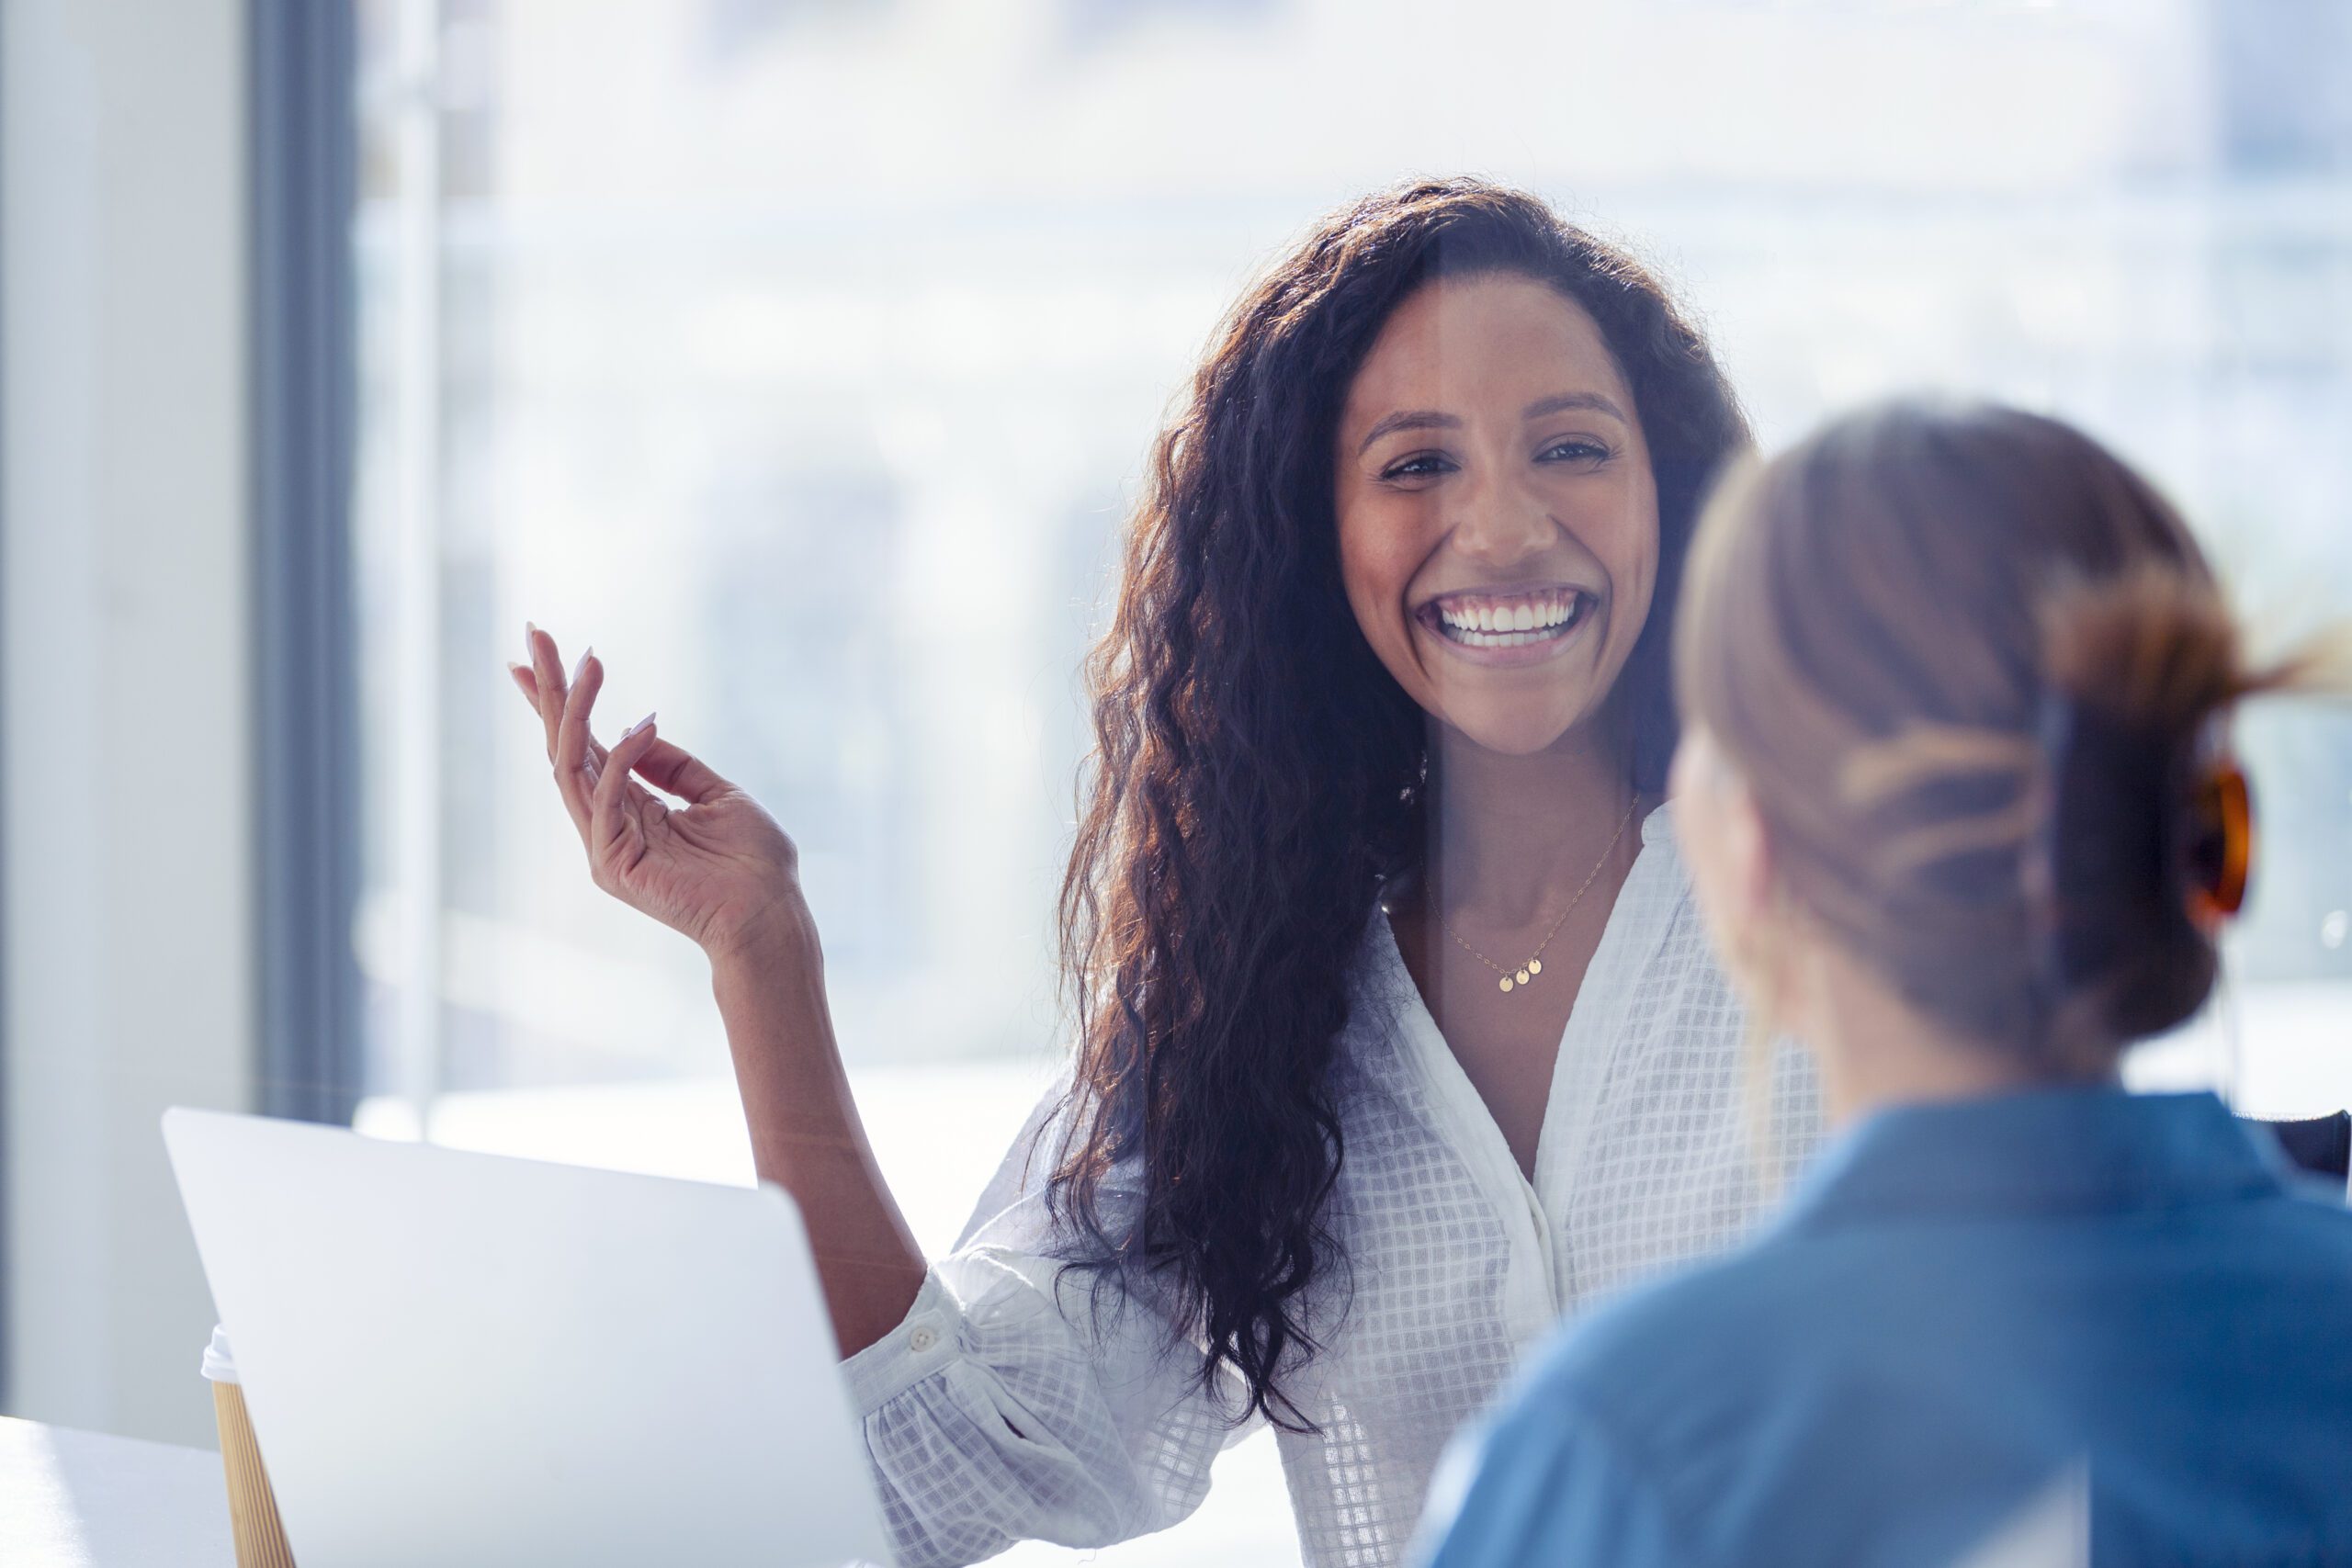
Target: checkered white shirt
(1009, 1406)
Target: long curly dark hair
(1256, 774)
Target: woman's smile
(1521, 627)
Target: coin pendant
(1506, 982)
(1535, 966)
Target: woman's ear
(1749, 847)
(1725, 844)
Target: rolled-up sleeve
(1016, 1402)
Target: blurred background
(802, 355)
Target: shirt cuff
(924, 1342)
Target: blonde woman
(1960, 807)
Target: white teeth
(1509, 626)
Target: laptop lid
(461, 1357)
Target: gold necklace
(1535, 965)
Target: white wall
(128, 924)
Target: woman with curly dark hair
(1396, 1035)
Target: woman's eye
(1421, 466)
(1575, 449)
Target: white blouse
(1008, 1408)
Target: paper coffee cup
(253, 1507)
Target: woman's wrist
(769, 981)
(782, 934)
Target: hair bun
(2113, 872)
(2126, 864)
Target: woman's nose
(1499, 524)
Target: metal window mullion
(303, 165)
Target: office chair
(2319, 1144)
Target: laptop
(457, 1358)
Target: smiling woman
(1505, 527)
(1382, 698)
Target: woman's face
(1497, 515)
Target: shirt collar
(2044, 1151)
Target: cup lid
(219, 1366)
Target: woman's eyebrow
(1409, 419)
(1562, 401)
(1433, 419)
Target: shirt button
(922, 1340)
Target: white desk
(73, 1499)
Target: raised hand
(717, 868)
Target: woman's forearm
(806, 1133)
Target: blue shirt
(1963, 1303)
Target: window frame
(302, 164)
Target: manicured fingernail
(633, 728)
(514, 668)
(585, 655)
(531, 638)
